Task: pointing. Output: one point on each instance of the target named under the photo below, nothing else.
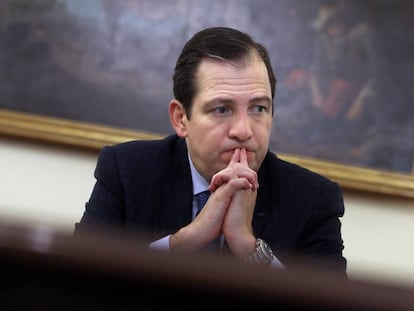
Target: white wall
(48, 185)
(44, 184)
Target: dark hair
(220, 42)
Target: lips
(233, 149)
(229, 152)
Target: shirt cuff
(162, 244)
(276, 263)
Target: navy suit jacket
(146, 186)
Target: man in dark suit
(260, 208)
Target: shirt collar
(200, 184)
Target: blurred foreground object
(45, 269)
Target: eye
(221, 110)
(258, 109)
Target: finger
(235, 157)
(236, 184)
(250, 183)
(218, 179)
(215, 183)
(243, 157)
(225, 192)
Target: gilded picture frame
(98, 72)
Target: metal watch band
(262, 255)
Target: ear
(178, 117)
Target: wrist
(183, 240)
(242, 247)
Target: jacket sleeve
(106, 203)
(321, 237)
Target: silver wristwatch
(262, 255)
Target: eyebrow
(220, 100)
(265, 98)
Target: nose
(240, 127)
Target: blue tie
(202, 198)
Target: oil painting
(344, 70)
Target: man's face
(231, 109)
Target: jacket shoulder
(288, 170)
(148, 150)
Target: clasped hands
(228, 211)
